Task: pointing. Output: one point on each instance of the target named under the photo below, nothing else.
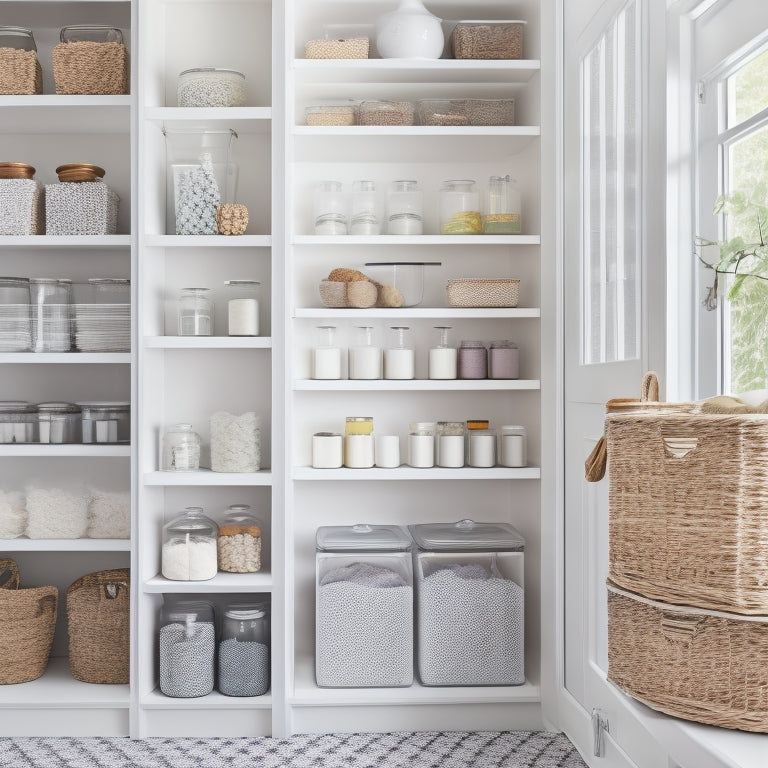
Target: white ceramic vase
(410, 32)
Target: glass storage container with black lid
(187, 648)
(244, 650)
(189, 547)
(364, 607)
(469, 593)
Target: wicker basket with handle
(98, 621)
(27, 624)
(706, 666)
(9, 574)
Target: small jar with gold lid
(239, 541)
(16, 171)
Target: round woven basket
(9, 574)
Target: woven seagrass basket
(20, 73)
(483, 292)
(688, 499)
(706, 666)
(9, 574)
(87, 67)
(98, 622)
(27, 624)
(349, 48)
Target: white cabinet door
(614, 214)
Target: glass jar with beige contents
(239, 541)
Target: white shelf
(222, 582)
(208, 478)
(57, 689)
(416, 385)
(54, 114)
(442, 240)
(208, 241)
(73, 358)
(93, 450)
(411, 473)
(207, 342)
(321, 313)
(399, 132)
(306, 693)
(214, 700)
(58, 242)
(242, 119)
(65, 545)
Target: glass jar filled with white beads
(469, 593)
(244, 650)
(239, 541)
(187, 648)
(211, 87)
(243, 307)
(364, 607)
(189, 547)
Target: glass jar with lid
(239, 541)
(18, 421)
(244, 650)
(469, 593)
(399, 357)
(443, 357)
(15, 320)
(23, 74)
(330, 207)
(326, 356)
(181, 449)
(51, 307)
(472, 360)
(460, 208)
(364, 607)
(106, 422)
(17, 38)
(59, 423)
(482, 448)
(502, 210)
(189, 547)
(450, 444)
(405, 208)
(195, 312)
(421, 444)
(211, 87)
(365, 356)
(243, 307)
(364, 209)
(187, 648)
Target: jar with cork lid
(239, 541)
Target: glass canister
(473, 360)
(181, 449)
(405, 208)
(242, 308)
(513, 446)
(326, 356)
(51, 307)
(244, 650)
(421, 444)
(201, 176)
(399, 359)
(364, 607)
(17, 38)
(187, 648)
(15, 320)
(106, 422)
(443, 357)
(364, 209)
(502, 210)
(189, 547)
(503, 360)
(195, 312)
(211, 87)
(460, 208)
(18, 420)
(469, 594)
(235, 442)
(59, 423)
(365, 357)
(21, 74)
(239, 541)
(330, 207)
(450, 444)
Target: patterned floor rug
(506, 749)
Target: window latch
(600, 727)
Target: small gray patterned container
(80, 208)
(21, 207)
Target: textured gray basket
(80, 208)
(22, 210)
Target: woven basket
(351, 48)
(98, 622)
(707, 666)
(27, 623)
(22, 207)
(20, 73)
(688, 500)
(88, 67)
(9, 574)
(480, 292)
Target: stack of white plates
(51, 327)
(15, 333)
(103, 327)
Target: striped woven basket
(20, 73)
(27, 624)
(87, 67)
(98, 622)
(9, 574)
(706, 666)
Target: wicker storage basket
(21, 207)
(488, 40)
(98, 622)
(480, 292)
(80, 208)
(27, 623)
(20, 73)
(88, 67)
(9, 574)
(707, 666)
(351, 48)
(688, 501)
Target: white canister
(513, 446)
(358, 451)
(364, 357)
(421, 444)
(242, 308)
(482, 448)
(387, 452)
(326, 358)
(327, 450)
(443, 358)
(399, 358)
(450, 444)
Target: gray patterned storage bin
(80, 208)
(21, 207)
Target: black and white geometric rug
(506, 749)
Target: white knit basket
(21, 207)
(80, 208)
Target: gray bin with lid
(363, 607)
(469, 603)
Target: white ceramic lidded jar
(442, 358)
(399, 357)
(409, 32)
(326, 356)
